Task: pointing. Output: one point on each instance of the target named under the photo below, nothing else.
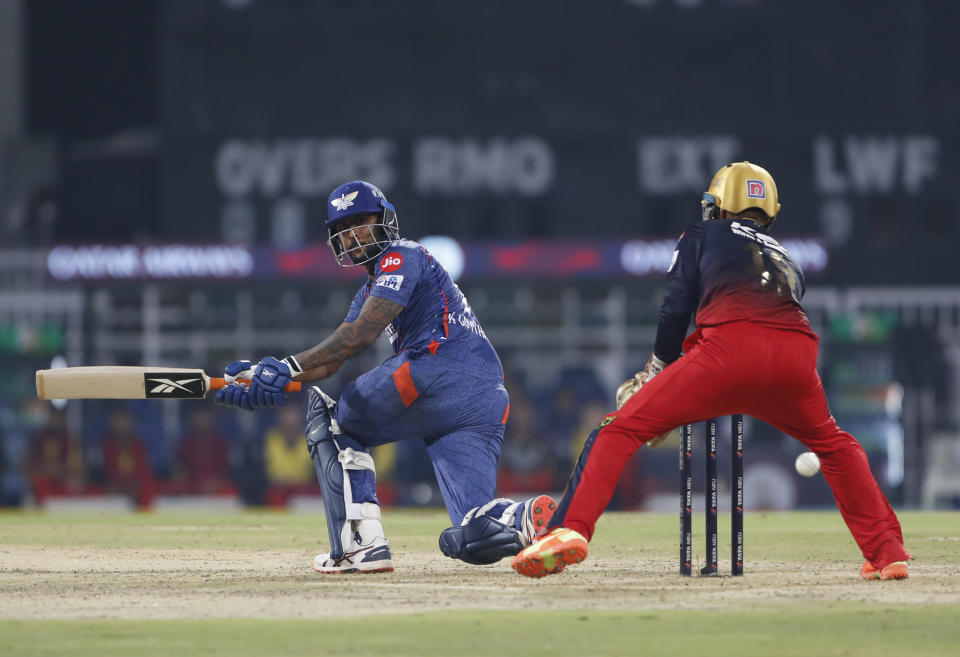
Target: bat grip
(217, 382)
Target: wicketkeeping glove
(630, 387)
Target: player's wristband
(293, 364)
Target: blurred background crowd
(164, 166)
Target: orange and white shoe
(895, 570)
(551, 553)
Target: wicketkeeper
(444, 385)
(753, 352)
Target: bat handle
(217, 382)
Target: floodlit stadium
(503, 242)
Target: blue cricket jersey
(436, 316)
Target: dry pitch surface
(146, 567)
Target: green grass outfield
(831, 612)
(803, 631)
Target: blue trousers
(458, 411)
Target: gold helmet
(738, 187)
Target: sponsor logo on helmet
(344, 202)
(756, 189)
(391, 262)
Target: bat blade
(118, 382)
(121, 382)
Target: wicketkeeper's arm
(670, 334)
(671, 331)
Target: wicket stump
(711, 567)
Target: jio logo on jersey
(391, 262)
(756, 189)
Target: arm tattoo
(351, 338)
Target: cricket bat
(117, 382)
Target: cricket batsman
(753, 352)
(444, 385)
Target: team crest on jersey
(605, 421)
(756, 189)
(392, 282)
(391, 262)
(344, 202)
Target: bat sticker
(173, 385)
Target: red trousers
(739, 368)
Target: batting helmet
(360, 198)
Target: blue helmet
(360, 198)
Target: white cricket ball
(807, 464)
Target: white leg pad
(351, 459)
(370, 527)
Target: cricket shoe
(373, 558)
(895, 570)
(537, 513)
(551, 553)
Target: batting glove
(237, 395)
(238, 369)
(270, 379)
(270, 375)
